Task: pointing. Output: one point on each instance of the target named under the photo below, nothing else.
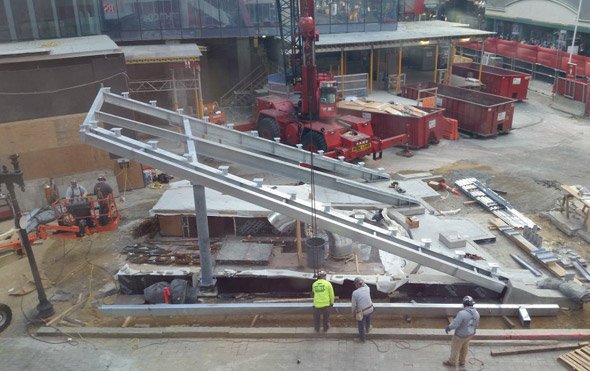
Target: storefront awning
(407, 34)
(174, 53)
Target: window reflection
(163, 19)
(4, 30)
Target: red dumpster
(478, 113)
(389, 120)
(499, 81)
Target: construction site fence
(575, 89)
(356, 85)
(530, 58)
(348, 85)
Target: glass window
(89, 17)
(210, 17)
(45, 22)
(4, 30)
(22, 22)
(66, 18)
(389, 11)
(373, 11)
(229, 17)
(128, 14)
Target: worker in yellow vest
(323, 299)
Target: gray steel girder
(264, 162)
(388, 309)
(248, 141)
(254, 192)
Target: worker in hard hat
(465, 324)
(75, 191)
(323, 299)
(103, 191)
(362, 307)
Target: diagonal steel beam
(254, 192)
(264, 162)
(248, 141)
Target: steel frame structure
(250, 141)
(145, 86)
(255, 192)
(388, 309)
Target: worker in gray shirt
(362, 307)
(465, 324)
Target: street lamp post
(12, 178)
(575, 31)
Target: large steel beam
(382, 309)
(231, 137)
(271, 199)
(264, 162)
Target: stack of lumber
(450, 129)
(578, 359)
(396, 109)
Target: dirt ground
(546, 148)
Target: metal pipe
(483, 42)
(388, 309)
(399, 70)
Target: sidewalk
(25, 353)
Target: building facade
(153, 20)
(551, 24)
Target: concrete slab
(247, 253)
(568, 226)
(431, 226)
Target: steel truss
(144, 86)
(257, 193)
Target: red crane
(315, 122)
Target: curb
(306, 333)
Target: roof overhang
(168, 53)
(73, 47)
(407, 34)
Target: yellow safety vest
(323, 293)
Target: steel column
(10, 20)
(386, 309)
(207, 280)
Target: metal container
(479, 114)
(421, 131)
(315, 249)
(496, 80)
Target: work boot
(357, 340)
(448, 364)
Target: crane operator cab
(328, 94)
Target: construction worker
(75, 191)
(323, 299)
(465, 324)
(103, 191)
(362, 307)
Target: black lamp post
(12, 178)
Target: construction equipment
(215, 114)
(314, 122)
(73, 219)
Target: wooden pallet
(578, 359)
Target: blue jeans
(364, 326)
